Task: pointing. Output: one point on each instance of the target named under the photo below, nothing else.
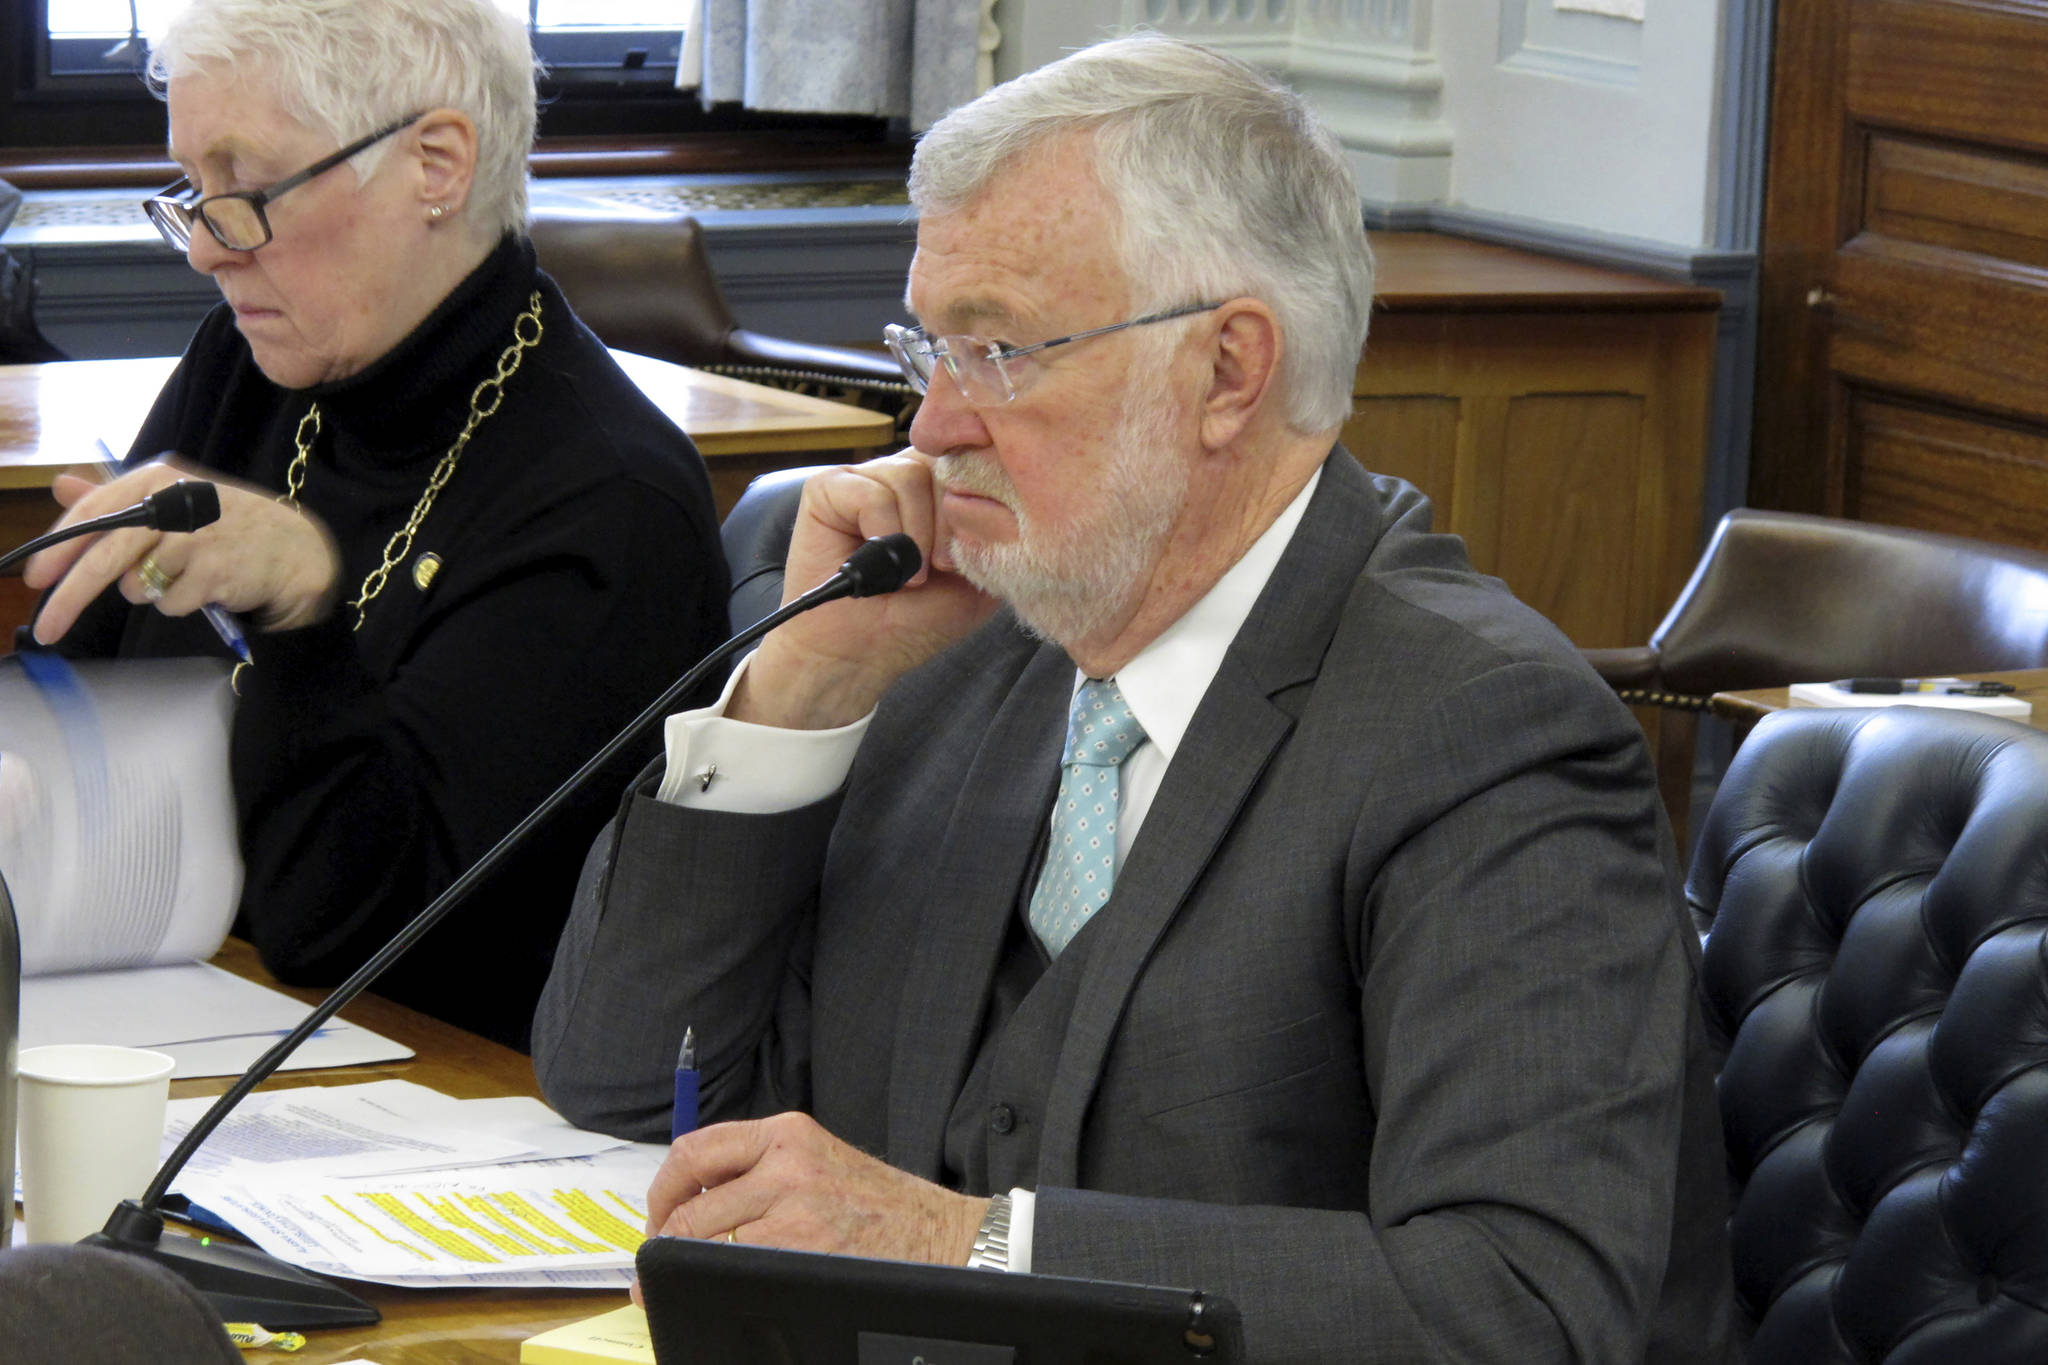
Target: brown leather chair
(1780, 598)
(643, 282)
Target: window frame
(41, 108)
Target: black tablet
(720, 1304)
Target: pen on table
(219, 617)
(1968, 687)
(684, 1118)
(228, 1037)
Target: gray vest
(993, 1132)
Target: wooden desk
(51, 414)
(422, 1326)
(1744, 709)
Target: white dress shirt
(733, 766)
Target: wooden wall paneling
(1945, 471)
(1412, 437)
(1931, 321)
(1964, 70)
(1569, 487)
(1476, 512)
(1790, 458)
(1983, 200)
(1580, 451)
(1905, 266)
(1679, 404)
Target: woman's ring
(732, 1235)
(155, 582)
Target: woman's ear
(446, 140)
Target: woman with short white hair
(465, 546)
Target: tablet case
(716, 1302)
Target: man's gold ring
(733, 1236)
(155, 582)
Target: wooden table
(1744, 709)
(51, 414)
(422, 1326)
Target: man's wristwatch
(992, 1238)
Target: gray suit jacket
(1388, 1031)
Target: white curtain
(912, 59)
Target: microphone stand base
(242, 1283)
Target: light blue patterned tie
(1080, 862)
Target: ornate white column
(1367, 65)
(987, 38)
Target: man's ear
(447, 153)
(1244, 360)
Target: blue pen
(219, 617)
(223, 622)
(684, 1118)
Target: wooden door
(1903, 359)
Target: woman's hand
(262, 558)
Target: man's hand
(786, 1182)
(830, 666)
(261, 557)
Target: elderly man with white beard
(1198, 874)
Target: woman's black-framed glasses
(237, 220)
(984, 369)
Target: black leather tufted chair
(756, 537)
(1875, 884)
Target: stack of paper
(1834, 695)
(117, 842)
(396, 1183)
(117, 819)
(212, 1022)
(620, 1335)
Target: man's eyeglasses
(986, 371)
(237, 220)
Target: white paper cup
(91, 1124)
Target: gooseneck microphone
(247, 1285)
(186, 505)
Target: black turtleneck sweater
(580, 574)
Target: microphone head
(186, 505)
(883, 564)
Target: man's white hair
(348, 67)
(1224, 181)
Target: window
(72, 79)
(630, 40)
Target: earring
(438, 212)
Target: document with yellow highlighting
(574, 1222)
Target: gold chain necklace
(483, 402)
